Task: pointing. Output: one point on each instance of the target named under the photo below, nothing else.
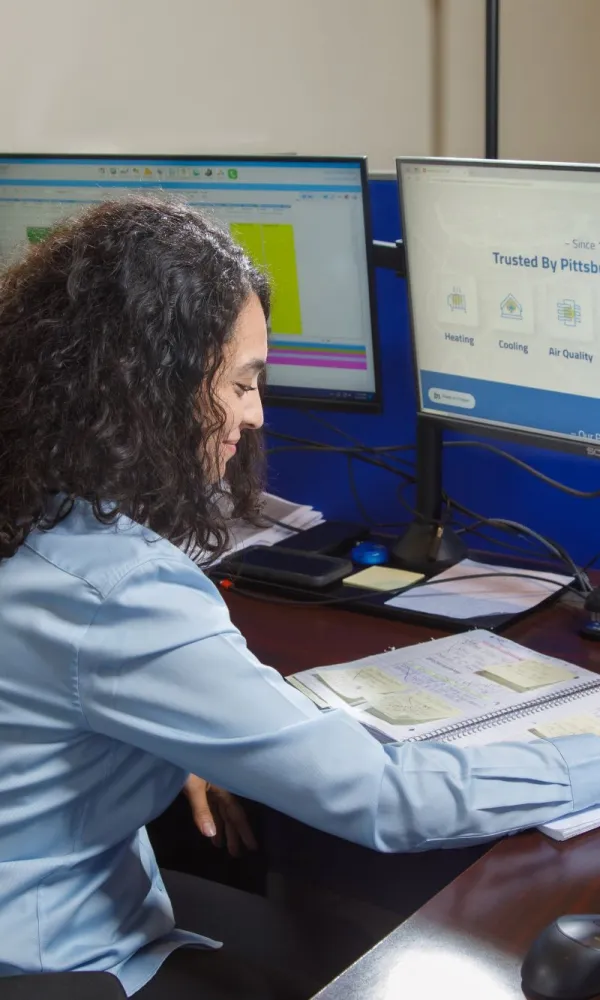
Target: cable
(519, 549)
(350, 437)
(298, 531)
(554, 547)
(361, 451)
(507, 525)
(417, 515)
(590, 562)
(368, 520)
(331, 427)
(464, 510)
(550, 545)
(355, 452)
(331, 448)
(571, 490)
(503, 525)
(465, 529)
(375, 449)
(229, 585)
(352, 455)
(411, 510)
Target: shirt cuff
(581, 754)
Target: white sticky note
(526, 675)
(573, 725)
(383, 578)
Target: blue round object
(369, 554)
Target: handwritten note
(410, 706)
(526, 675)
(572, 725)
(359, 685)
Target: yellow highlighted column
(280, 258)
(249, 237)
(271, 247)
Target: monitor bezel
(271, 398)
(466, 425)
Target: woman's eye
(244, 388)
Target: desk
(471, 938)
(293, 638)
(473, 934)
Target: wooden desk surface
(293, 638)
(473, 935)
(469, 941)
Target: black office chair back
(62, 986)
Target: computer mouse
(563, 963)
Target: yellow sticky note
(573, 725)
(382, 578)
(358, 685)
(410, 706)
(526, 675)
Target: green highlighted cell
(37, 234)
(271, 247)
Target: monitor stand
(429, 545)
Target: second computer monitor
(305, 221)
(503, 263)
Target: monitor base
(428, 548)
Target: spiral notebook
(476, 687)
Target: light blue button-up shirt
(120, 673)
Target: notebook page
(579, 713)
(414, 692)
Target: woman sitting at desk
(132, 345)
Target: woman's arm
(161, 667)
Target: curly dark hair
(112, 333)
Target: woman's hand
(218, 814)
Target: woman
(132, 346)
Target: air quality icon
(568, 312)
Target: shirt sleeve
(161, 667)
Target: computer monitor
(305, 220)
(503, 268)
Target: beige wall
(550, 82)
(308, 76)
(549, 79)
(461, 87)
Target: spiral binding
(509, 714)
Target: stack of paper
(296, 517)
(573, 825)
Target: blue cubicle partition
(482, 481)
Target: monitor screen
(304, 220)
(503, 263)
